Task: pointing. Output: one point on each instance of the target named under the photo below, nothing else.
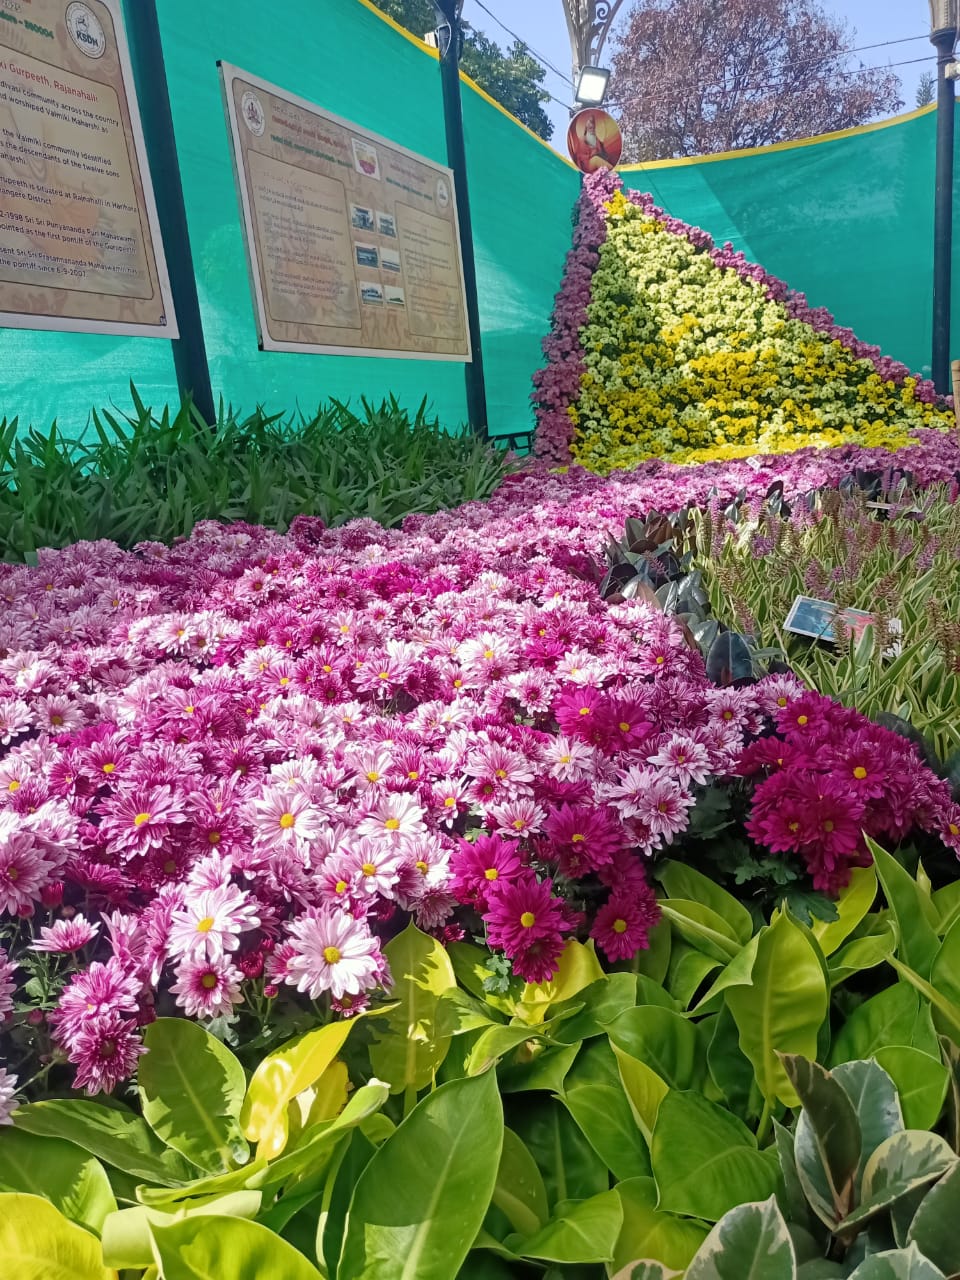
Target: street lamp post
(943, 34)
(450, 38)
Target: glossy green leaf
(934, 1224)
(730, 1069)
(654, 961)
(921, 1082)
(750, 1243)
(412, 1040)
(493, 1043)
(115, 1136)
(645, 1090)
(682, 881)
(862, 953)
(907, 1160)
(946, 902)
(127, 1234)
(945, 974)
(74, 1181)
(689, 970)
(191, 1090)
(852, 905)
(600, 1003)
(570, 1167)
(828, 1140)
(947, 1013)
(649, 1232)
(647, 1271)
(202, 1247)
(875, 1101)
(702, 928)
(793, 1202)
(888, 1018)
(585, 1232)
(898, 1264)
(705, 1161)
(421, 1200)
(285, 1073)
(38, 1243)
(519, 1191)
(918, 941)
(774, 1016)
(950, 1055)
(545, 1067)
(665, 1041)
(603, 1114)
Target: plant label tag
(754, 463)
(816, 619)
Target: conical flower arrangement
(665, 346)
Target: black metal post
(943, 213)
(189, 350)
(450, 37)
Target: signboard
(594, 140)
(353, 242)
(80, 246)
(817, 619)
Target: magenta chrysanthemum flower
(97, 991)
(7, 985)
(523, 911)
(64, 936)
(582, 838)
(140, 820)
(621, 927)
(480, 864)
(105, 1050)
(8, 1096)
(684, 758)
(207, 988)
(23, 867)
(331, 951)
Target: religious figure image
(594, 140)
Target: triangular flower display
(664, 345)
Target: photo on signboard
(362, 218)
(390, 260)
(368, 255)
(395, 297)
(371, 293)
(386, 224)
(817, 619)
(366, 159)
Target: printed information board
(80, 245)
(352, 242)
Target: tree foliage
(698, 76)
(513, 78)
(926, 89)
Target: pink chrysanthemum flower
(683, 757)
(482, 863)
(210, 923)
(23, 867)
(582, 838)
(522, 911)
(332, 951)
(97, 991)
(375, 867)
(64, 936)
(285, 818)
(105, 1050)
(395, 817)
(8, 1096)
(207, 988)
(7, 985)
(518, 817)
(622, 925)
(139, 820)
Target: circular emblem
(594, 141)
(85, 30)
(254, 117)
(443, 194)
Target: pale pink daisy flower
(395, 817)
(15, 719)
(373, 767)
(518, 818)
(8, 1096)
(24, 869)
(579, 667)
(448, 799)
(207, 988)
(568, 759)
(7, 985)
(627, 794)
(97, 991)
(377, 867)
(105, 1050)
(663, 806)
(685, 758)
(64, 936)
(57, 713)
(296, 775)
(283, 818)
(140, 820)
(335, 953)
(210, 923)
(210, 872)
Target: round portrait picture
(594, 140)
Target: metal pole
(450, 37)
(189, 350)
(943, 214)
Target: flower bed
(665, 346)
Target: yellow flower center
(954, 829)
(340, 886)
(383, 675)
(624, 727)
(781, 702)
(55, 719)
(728, 715)
(205, 925)
(108, 768)
(287, 820)
(369, 869)
(619, 926)
(188, 711)
(801, 720)
(422, 867)
(392, 824)
(373, 776)
(413, 775)
(528, 919)
(169, 867)
(491, 873)
(213, 837)
(794, 826)
(208, 981)
(575, 839)
(860, 772)
(14, 785)
(518, 824)
(828, 826)
(488, 654)
(449, 802)
(331, 954)
(584, 711)
(140, 819)
(13, 874)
